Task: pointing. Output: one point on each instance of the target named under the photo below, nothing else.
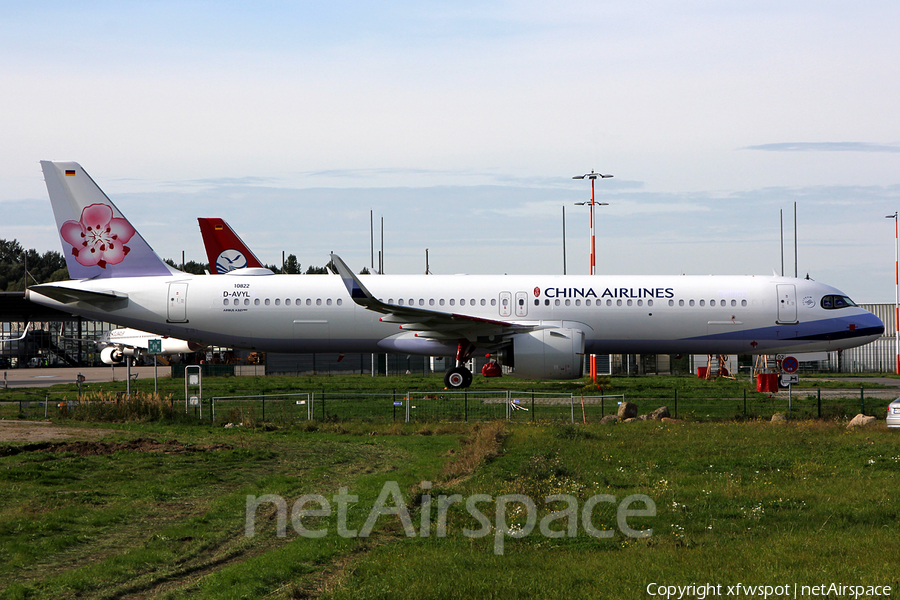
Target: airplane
(117, 344)
(540, 325)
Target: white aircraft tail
(97, 240)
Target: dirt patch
(84, 448)
(41, 431)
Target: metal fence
(470, 406)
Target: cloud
(825, 147)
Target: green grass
(805, 502)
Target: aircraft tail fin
(97, 240)
(224, 249)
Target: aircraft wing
(69, 295)
(425, 323)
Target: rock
(779, 418)
(630, 420)
(860, 420)
(670, 420)
(660, 413)
(627, 410)
(609, 419)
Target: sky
(462, 124)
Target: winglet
(97, 240)
(21, 337)
(355, 288)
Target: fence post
(819, 401)
(264, 408)
(862, 401)
(745, 402)
(532, 405)
(466, 404)
(676, 404)
(46, 402)
(323, 400)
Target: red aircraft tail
(224, 249)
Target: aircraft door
(177, 303)
(521, 304)
(505, 304)
(787, 303)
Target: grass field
(157, 507)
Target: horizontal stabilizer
(68, 295)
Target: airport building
(57, 338)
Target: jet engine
(112, 355)
(546, 354)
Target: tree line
(51, 266)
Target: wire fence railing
(469, 406)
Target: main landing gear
(459, 377)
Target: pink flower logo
(98, 238)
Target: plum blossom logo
(98, 238)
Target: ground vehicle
(893, 414)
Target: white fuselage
(618, 314)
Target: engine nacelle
(175, 346)
(547, 354)
(111, 355)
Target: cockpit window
(834, 302)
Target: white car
(893, 414)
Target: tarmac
(32, 378)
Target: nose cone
(865, 328)
(875, 324)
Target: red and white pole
(896, 294)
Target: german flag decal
(70, 173)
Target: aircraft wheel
(457, 378)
